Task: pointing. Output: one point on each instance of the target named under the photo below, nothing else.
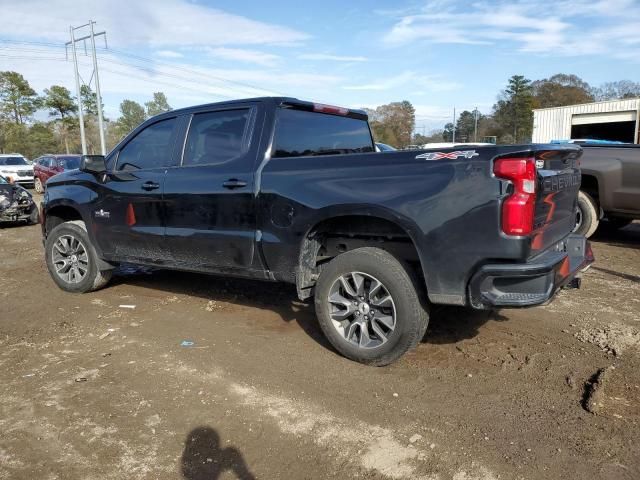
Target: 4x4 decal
(448, 155)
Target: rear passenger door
(128, 213)
(209, 197)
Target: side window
(300, 133)
(215, 138)
(48, 162)
(151, 148)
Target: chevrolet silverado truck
(285, 190)
(610, 190)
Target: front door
(129, 215)
(211, 211)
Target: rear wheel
(38, 185)
(587, 218)
(71, 259)
(369, 306)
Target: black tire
(587, 219)
(38, 186)
(94, 278)
(34, 216)
(409, 305)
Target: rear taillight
(518, 209)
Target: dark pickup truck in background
(610, 189)
(285, 190)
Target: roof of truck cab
(274, 100)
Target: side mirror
(93, 164)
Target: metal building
(611, 120)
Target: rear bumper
(534, 282)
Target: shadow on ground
(204, 458)
(624, 237)
(280, 298)
(447, 325)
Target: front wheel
(38, 185)
(71, 259)
(369, 306)
(34, 216)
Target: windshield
(3, 181)
(69, 163)
(13, 161)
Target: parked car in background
(16, 204)
(610, 188)
(47, 166)
(383, 147)
(15, 168)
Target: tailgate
(558, 172)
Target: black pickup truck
(285, 190)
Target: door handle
(150, 185)
(234, 183)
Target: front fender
(63, 197)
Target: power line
(125, 74)
(146, 69)
(148, 60)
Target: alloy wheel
(362, 309)
(70, 259)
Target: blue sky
(437, 54)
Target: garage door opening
(618, 131)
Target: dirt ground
(93, 389)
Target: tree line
(60, 133)
(511, 118)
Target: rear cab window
(217, 137)
(301, 133)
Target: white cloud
(129, 23)
(551, 27)
(243, 55)
(183, 83)
(332, 58)
(168, 54)
(412, 79)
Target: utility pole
(453, 139)
(98, 96)
(77, 74)
(73, 42)
(475, 128)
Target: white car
(17, 169)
